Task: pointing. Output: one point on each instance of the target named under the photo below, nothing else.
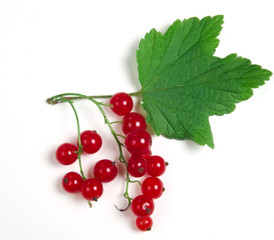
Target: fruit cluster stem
(76, 96)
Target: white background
(54, 46)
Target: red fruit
(137, 166)
(121, 103)
(91, 141)
(92, 189)
(142, 206)
(133, 121)
(144, 223)
(72, 182)
(144, 155)
(66, 153)
(152, 187)
(156, 165)
(138, 141)
(105, 170)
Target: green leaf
(183, 83)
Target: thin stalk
(76, 96)
(135, 181)
(116, 122)
(122, 136)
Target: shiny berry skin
(91, 141)
(121, 103)
(156, 166)
(105, 170)
(142, 206)
(136, 166)
(144, 223)
(152, 187)
(66, 153)
(72, 182)
(138, 141)
(92, 189)
(133, 121)
(144, 155)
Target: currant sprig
(137, 142)
(67, 97)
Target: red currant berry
(144, 155)
(72, 182)
(152, 187)
(92, 189)
(156, 166)
(91, 141)
(121, 103)
(144, 223)
(133, 121)
(105, 170)
(142, 206)
(138, 141)
(137, 166)
(66, 153)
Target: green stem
(66, 97)
(76, 96)
(135, 181)
(116, 122)
(136, 94)
(119, 135)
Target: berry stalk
(76, 96)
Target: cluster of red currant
(103, 171)
(138, 143)
(141, 162)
